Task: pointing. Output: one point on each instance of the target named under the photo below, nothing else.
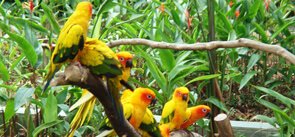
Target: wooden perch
(223, 125)
(184, 133)
(242, 42)
(75, 74)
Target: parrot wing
(149, 124)
(69, 43)
(168, 112)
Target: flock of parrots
(74, 45)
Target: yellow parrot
(148, 126)
(87, 101)
(71, 39)
(134, 107)
(174, 111)
(165, 130)
(195, 113)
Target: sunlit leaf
(48, 12)
(22, 96)
(50, 110)
(45, 126)
(205, 77)
(217, 103)
(9, 110)
(253, 60)
(277, 95)
(246, 79)
(4, 74)
(26, 47)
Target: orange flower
(237, 13)
(231, 3)
(162, 7)
(31, 4)
(266, 3)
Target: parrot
(165, 130)
(174, 111)
(148, 126)
(134, 107)
(70, 40)
(87, 101)
(195, 113)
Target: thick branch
(80, 76)
(242, 42)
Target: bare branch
(242, 42)
(75, 74)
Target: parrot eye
(121, 59)
(204, 110)
(149, 96)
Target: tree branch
(242, 42)
(75, 74)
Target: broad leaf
(246, 79)
(44, 126)
(4, 74)
(50, 113)
(9, 110)
(22, 96)
(217, 103)
(253, 60)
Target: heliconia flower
(231, 3)
(237, 13)
(266, 3)
(162, 7)
(186, 12)
(31, 4)
(189, 22)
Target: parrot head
(85, 6)
(146, 96)
(125, 59)
(181, 93)
(201, 111)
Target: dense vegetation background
(256, 85)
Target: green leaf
(96, 30)
(261, 31)
(265, 118)
(217, 103)
(22, 96)
(246, 79)
(26, 47)
(30, 23)
(48, 12)
(278, 110)
(227, 25)
(4, 74)
(44, 126)
(253, 60)
(176, 17)
(9, 110)
(167, 59)
(277, 32)
(204, 77)
(155, 71)
(50, 112)
(254, 9)
(287, 101)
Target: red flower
(162, 7)
(231, 3)
(237, 13)
(266, 3)
(31, 4)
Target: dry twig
(242, 42)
